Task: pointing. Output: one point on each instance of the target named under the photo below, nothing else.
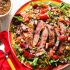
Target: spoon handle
(11, 64)
(0, 25)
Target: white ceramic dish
(7, 11)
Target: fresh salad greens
(41, 35)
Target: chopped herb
(34, 62)
(50, 14)
(19, 18)
(53, 61)
(21, 58)
(52, 5)
(13, 28)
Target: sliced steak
(40, 26)
(63, 28)
(57, 32)
(51, 35)
(44, 37)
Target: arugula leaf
(12, 28)
(21, 58)
(53, 61)
(32, 3)
(34, 62)
(64, 7)
(19, 18)
(52, 4)
(50, 14)
(68, 58)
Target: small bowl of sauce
(5, 7)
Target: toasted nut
(68, 38)
(67, 48)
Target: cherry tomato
(43, 17)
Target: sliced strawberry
(42, 11)
(62, 38)
(55, 57)
(23, 45)
(35, 6)
(44, 5)
(28, 54)
(43, 17)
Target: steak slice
(51, 35)
(62, 27)
(40, 26)
(57, 32)
(44, 37)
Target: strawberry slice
(44, 5)
(43, 17)
(35, 6)
(23, 45)
(28, 54)
(62, 38)
(42, 11)
(55, 57)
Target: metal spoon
(2, 48)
